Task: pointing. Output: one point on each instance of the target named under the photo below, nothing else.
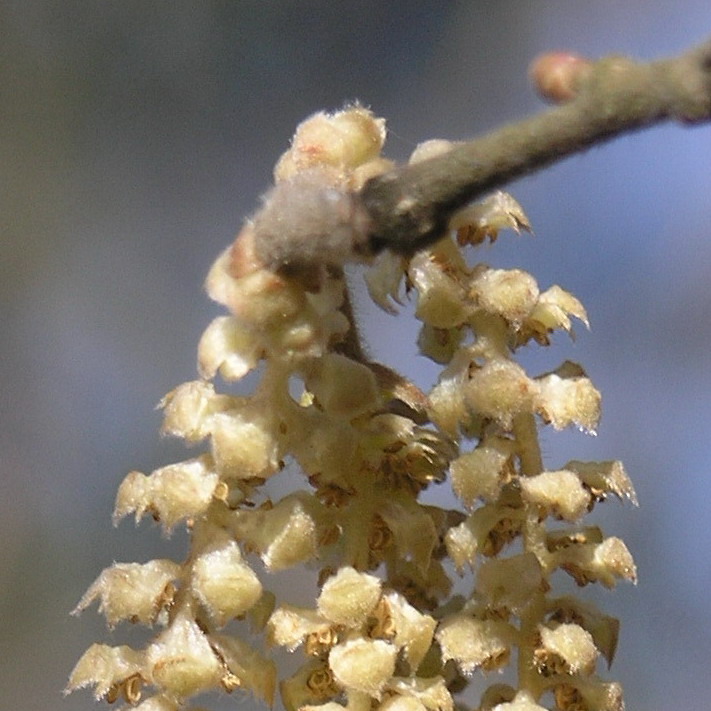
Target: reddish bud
(243, 256)
(557, 76)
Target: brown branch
(410, 207)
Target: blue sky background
(135, 137)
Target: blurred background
(136, 136)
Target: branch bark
(410, 207)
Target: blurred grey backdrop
(134, 138)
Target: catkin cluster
(385, 631)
